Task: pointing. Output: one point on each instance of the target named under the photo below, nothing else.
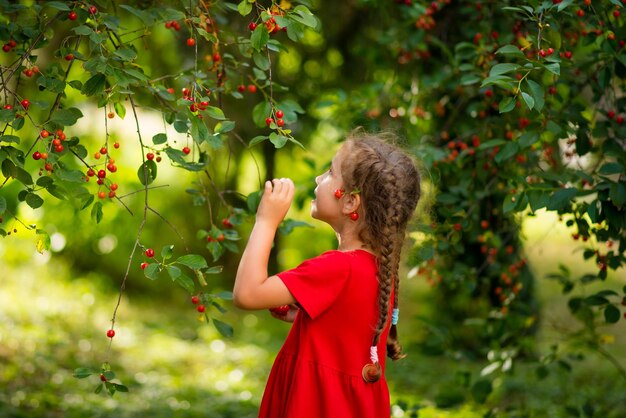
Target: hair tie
(374, 354)
(394, 316)
(371, 372)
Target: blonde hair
(389, 185)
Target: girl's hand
(275, 202)
(285, 313)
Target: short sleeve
(316, 283)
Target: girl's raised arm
(253, 288)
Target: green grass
(52, 322)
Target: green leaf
(253, 201)
(82, 372)
(554, 68)
(96, 212)
(537, 93)
(596, 300)
(7, 115)
(94, 85)
(186, 283)
(120, 387)
(259, 37)
(611, 168)
(257, 139)
(303, 15)
(167, 251)
(192, 261)
(223, 328)
(261, 61)
(506, 105)
(617, 193)
(261, 111)
(174, 272)
(159, 139)
(507, 151)
(503, 69)
(119, 109)
(43, 241)
(214, 270)
(144, 16)
(244, 8)
(561, 198)
(147, 172)
(66, 117)
(23, 176)
(215, 113)
(278, 140)
(83, 30)
(3, 205)
(152, 271)
(10, 139)
(127, 54)
(33, 200)
(530, 102)
(511, 50)
(527, 139)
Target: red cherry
(102, 174)
(36, 155)
(457, 226)
(101, 195)
(44, 133)
(48, 166)
(195, 300)
(280, 310)
(269, 121)
(58, 148)
(12, 43)
(28, 72)
(568, 54)
(279, 114)
(217, 57)
(542, 53)
(252, 88)
(241, 88)
(186, 150)
(150, 156)
(339, 193)
(112, 167)
(113, 186)
(111, 333)
(72, 15)
(111, 194)
(191, 42)
(252, 26)
(6, 48)
(103, 150)
(201, 308)
(580, 12)
(116, 145)
(484, 224)
(149, 253)
(144, 265)
(616, 13)
(226, 222)
(220, 238)
(550, 51)
(8, 107)
(354, 216)
(25, 104)
(280, 123)
(93, 10)
(69, 57)
(619, 119)
(103, 377)
(176, 25)
(203, 105)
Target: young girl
(332, 363)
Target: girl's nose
(317, 179)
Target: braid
(389, 186)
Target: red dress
(317, 373)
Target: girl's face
(326, 207)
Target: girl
(341, 301)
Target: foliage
(516, 110)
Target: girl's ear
(351, 203)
